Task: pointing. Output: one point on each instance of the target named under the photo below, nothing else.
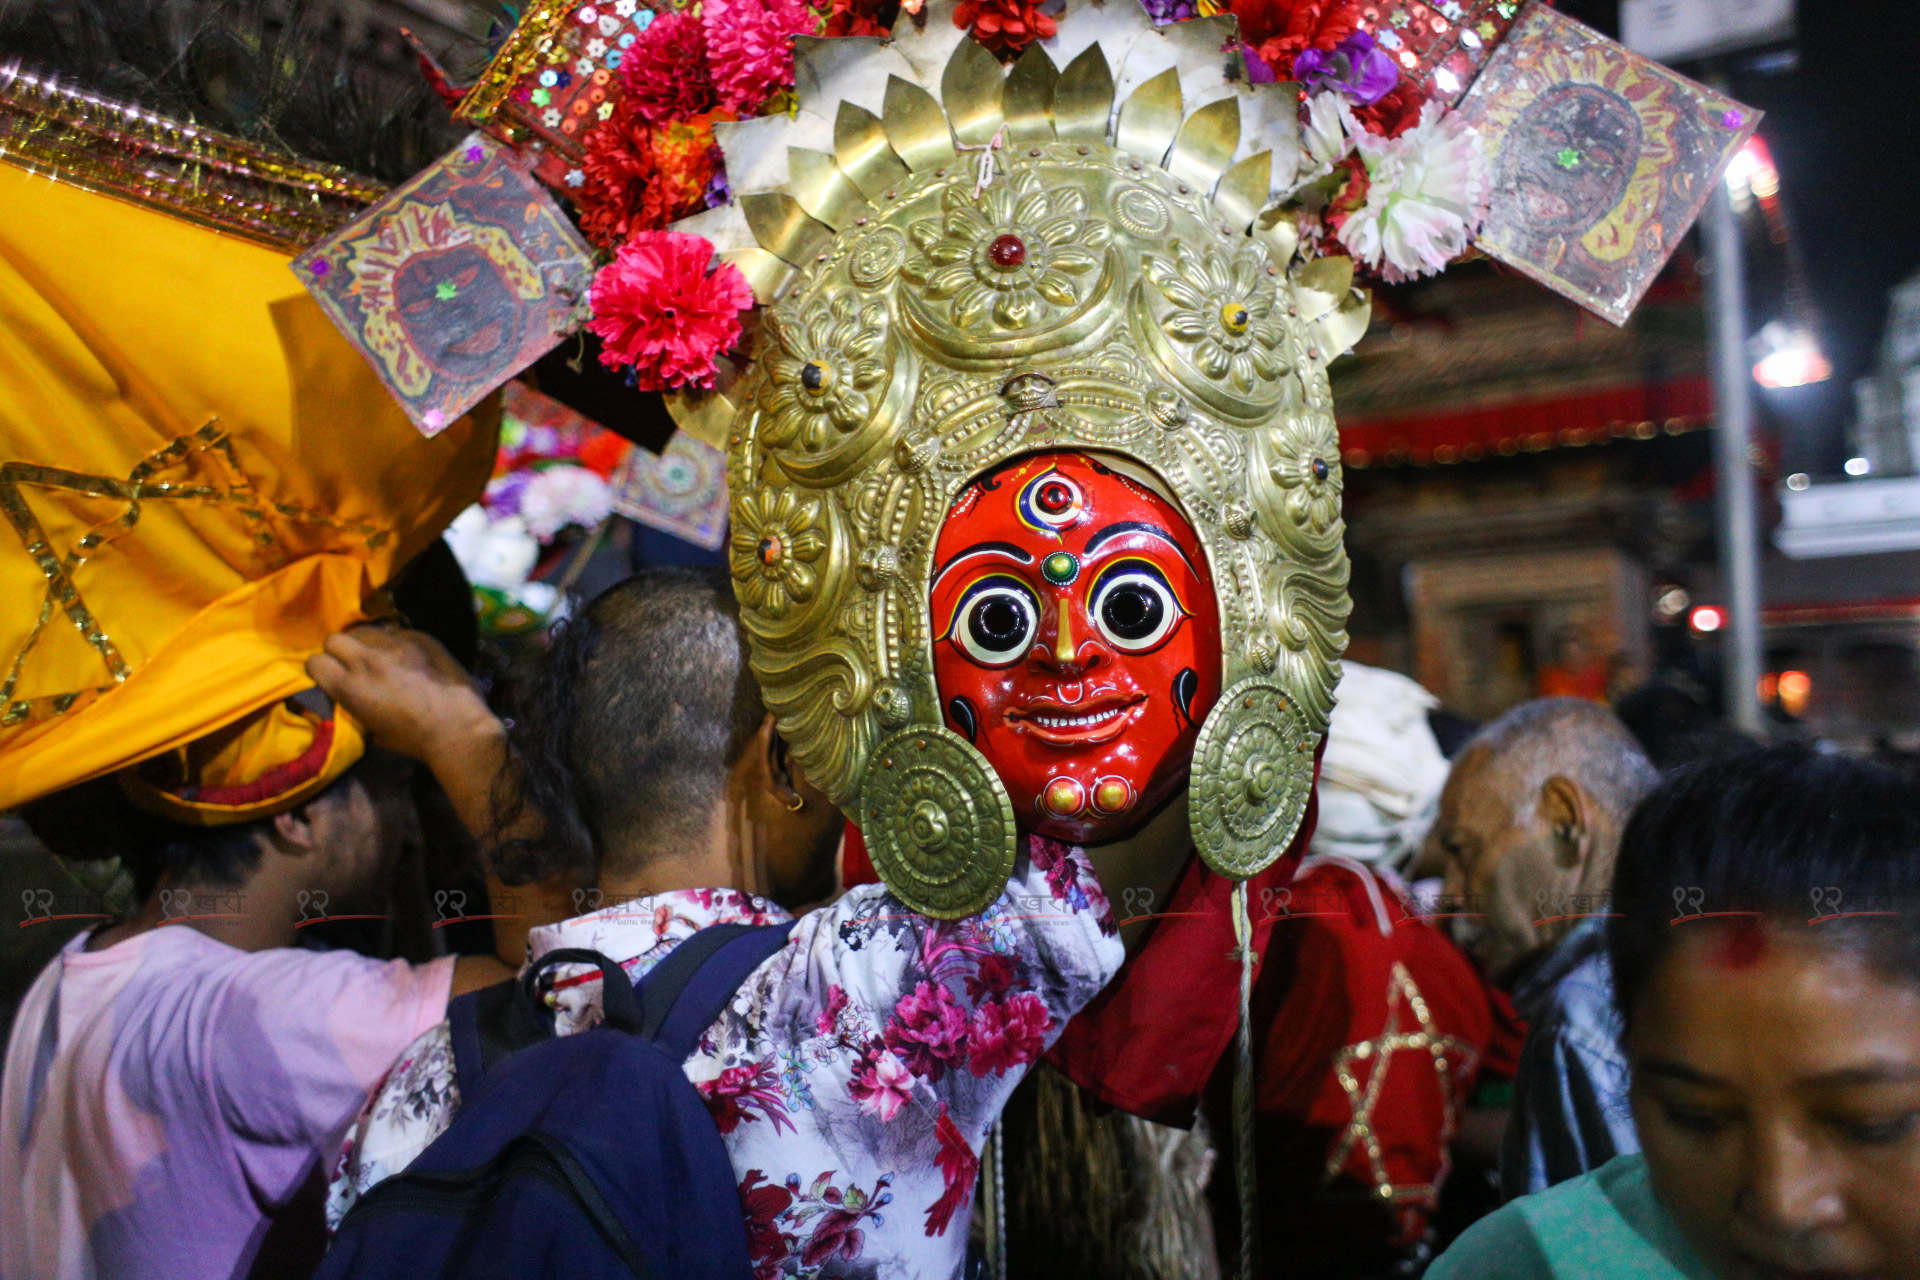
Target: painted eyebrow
(1875, 1073)
(1138, 526)
(1680, 1071)
(981, 548)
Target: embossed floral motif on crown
(824, 374)
(1010, 255)
(1308, 469)
(1223, 308)
(778, 535)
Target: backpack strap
(674, 1004)
(688, 990)
(490, 1025)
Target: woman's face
(1776, 1088)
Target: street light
(1789, 357)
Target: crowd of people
(995, 872)
(1628, 1011)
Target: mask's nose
(1066, 645)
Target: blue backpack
(580, 1157)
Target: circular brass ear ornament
(1252, 775)
(959, 264)
(937, 822)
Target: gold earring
(796, 804)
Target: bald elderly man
(1529, 823)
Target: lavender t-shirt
(163, 1095)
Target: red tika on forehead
(1742, 944)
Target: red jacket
(1370, 1031)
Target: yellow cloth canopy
(200, 480)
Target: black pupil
(997, 623)
(1132, 613)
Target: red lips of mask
(1076, 641)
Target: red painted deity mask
(1076, 641)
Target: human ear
(294, 830)
(782, 770)
(1567, 810)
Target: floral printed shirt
(855, 1074)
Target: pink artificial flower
(1008, 1034)
(665, 72)
(750, 48)
(657, 308)
(882, 1085)
(928, 1030)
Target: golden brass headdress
(965, 263)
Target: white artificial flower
(1426, 196)
(596, 48)
(493, 553)
(551, 117)
(1326, 136)
(556, 497)
(624, 8)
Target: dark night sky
(1844, 127)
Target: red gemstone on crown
(1007, 251)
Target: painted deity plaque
(458, 279)
(1600, 159)
(682, 491)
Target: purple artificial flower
(503, 495)
(1362, 72)
(1258, 72)
(1164, 11)
(719, 191)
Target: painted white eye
(996, 621)
(1135, 610)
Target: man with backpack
(850, 1074)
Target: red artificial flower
(1004, 26)
(665, 72)
(657, 308)
(959, 1165)
(603, 452)
(1350, 195)
(750, 48)
(1279, 30)
(685, 158)
(618, 168)
(854, 18)
(641, 179)
(1394, 114)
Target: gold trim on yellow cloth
(207, 177)
(200, 480)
